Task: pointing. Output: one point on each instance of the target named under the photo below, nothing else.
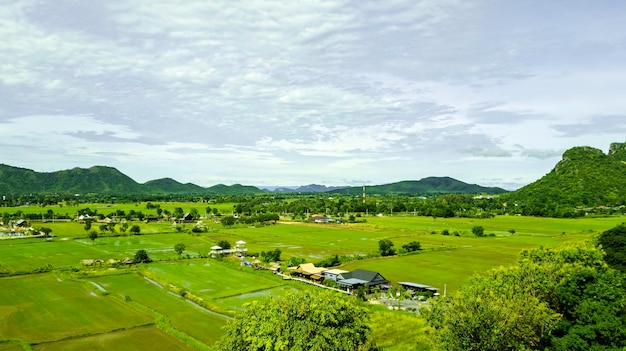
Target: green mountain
(95, 180)
(169, 186)
(234, 189)
(100, 180)
(425, 186)
(585, 177)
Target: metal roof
(417, 286)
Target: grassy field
(75, 307)
(213, 280)
(188, 318)
(45, 307)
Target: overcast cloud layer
(299, 92)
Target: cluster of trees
(564, 298)
(264, 218)
(270, 256)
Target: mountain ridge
(107, 180)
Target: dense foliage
(613, 242)
(301, 321)
(563, 298)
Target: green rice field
(69, 306)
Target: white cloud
(299, 90)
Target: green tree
(141, 256)
(178, 212)
(412, 246)
(87, 225)
(93, 235)
(179, 248)
(228, 221)
(194, 213)
(301, 321)
(478, 230)
(224, 244)
(46, 231)
(294, 261)
(270, 256)
(134, 229)
(385, 247)
(613, 242)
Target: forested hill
(585, 177)
(99, 180)
(424, 186)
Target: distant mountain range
(425, 186)
(101, 180)
(584, 177)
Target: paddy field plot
(136, 339)
(212, 280)
(184, 316)
(40, 308)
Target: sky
(287, 93)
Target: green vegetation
(180, 272)
(563, 298)
(583, 180)
(304, 321)
(613, 242)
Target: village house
(362, 277)
(308, 270)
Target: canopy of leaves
(301, 321)
(613, 242)
(563, 298)
(141, 256)
(385, 247)
(179, 248)
(270, 256)
(224, 244)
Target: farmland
(69, 305)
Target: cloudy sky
(266, 92)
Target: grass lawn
(46, 307)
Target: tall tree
(301, 321)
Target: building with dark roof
(361, 277)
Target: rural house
(361, 277)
